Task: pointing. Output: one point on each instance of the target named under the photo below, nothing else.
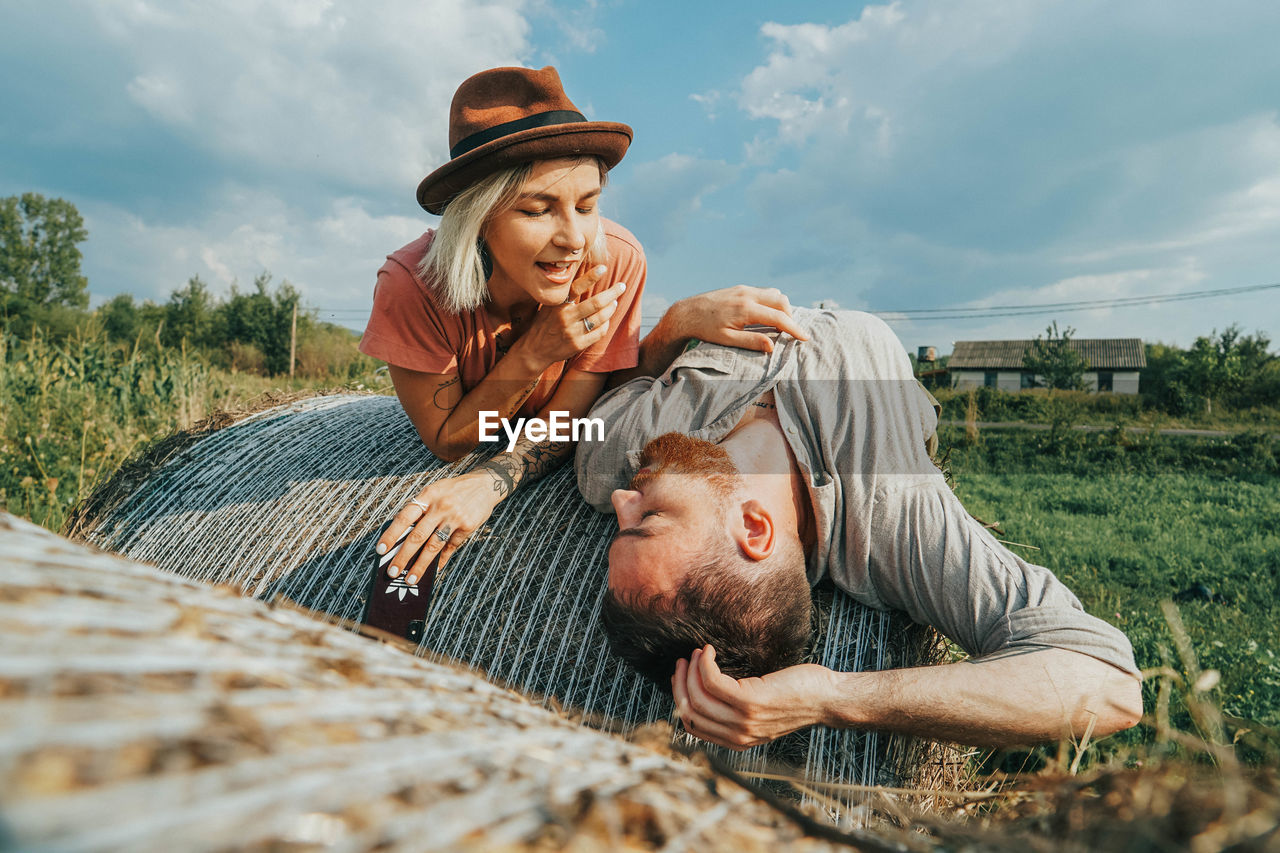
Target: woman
(520, 304)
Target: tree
(1055, 361)
(40, 255)
(190, 315)
(263, 319)
(119, 317)
(1225, 363)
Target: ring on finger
(586, 322)
(442, 533)
(420, 504)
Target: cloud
(818, 79)
(935, 152)
(708, 101)
(1101, 322)
(332, 256)
(576, 25)
(662, 197)
(355, 94)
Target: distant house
(1114, 364)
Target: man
(772, 459)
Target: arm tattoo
(527, 462)
(442, 402)
(503, 470)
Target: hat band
(498, 131)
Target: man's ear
(757, 535)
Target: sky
(916, 155)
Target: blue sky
(920, 154)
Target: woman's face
(539, 243)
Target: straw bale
(287, 503)
(142, 711)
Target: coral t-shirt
(409, 328)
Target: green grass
(73, 410)
(1125, 520)
(1087, 408)
(1126, 541)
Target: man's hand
(742, 713)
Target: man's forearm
(1019, 698)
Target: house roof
(1100, 353)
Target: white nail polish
(393, 572)
(599, 270)
(411, 580)
(380, 548)
(624, 286)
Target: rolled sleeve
(1064, 628)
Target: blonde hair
(454, 265)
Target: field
(1128, 520)
(1081, 407)
(1126, 542)
(73, 410)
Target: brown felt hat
(506, 116)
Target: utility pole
(293, 338)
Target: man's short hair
(758, 623)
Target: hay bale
(142, 711)
(287, 502)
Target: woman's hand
(721, 317)
(562, 331)
(718, 317)
(443, 516)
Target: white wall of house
(1122, 381)
(1125, 382)
(1006, 380)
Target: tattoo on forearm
(527, 462)
(503, 470)
(541, 459)
(441, 397)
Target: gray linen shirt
(890, 531)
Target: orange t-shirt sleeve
(619, 349)
(406, 328)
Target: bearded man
(744, 465)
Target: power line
(961, 313)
